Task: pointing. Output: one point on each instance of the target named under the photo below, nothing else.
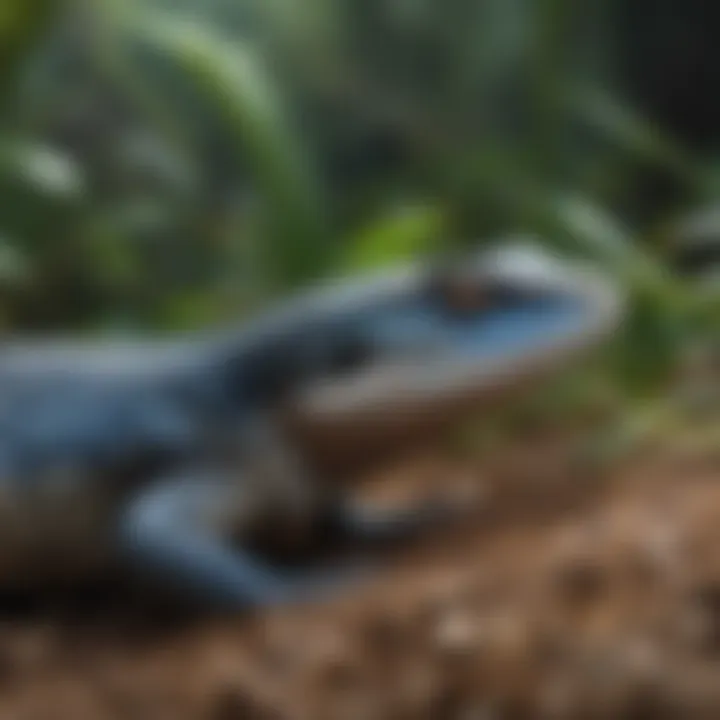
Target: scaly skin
(170, 458)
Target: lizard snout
(510, 273)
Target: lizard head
(445, 342)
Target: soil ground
(569, 594)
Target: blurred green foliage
(168, 164)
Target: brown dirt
(569, 595)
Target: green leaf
(22, 22)
(597, 234)
(655, 330)
(631, 132)
(231, 78)
(14, 266)
(401, 234)
(49, 172)
(42, 193)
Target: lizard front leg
(178, 535)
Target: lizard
(167, 458)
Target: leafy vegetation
(166, 165)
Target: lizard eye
(462, 291)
